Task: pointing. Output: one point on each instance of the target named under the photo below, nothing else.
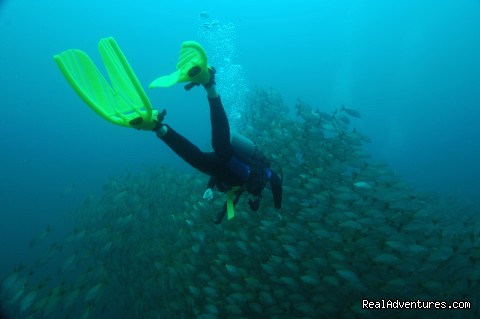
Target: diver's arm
(276, 185)
(211, 182)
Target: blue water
(410, 67)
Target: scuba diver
(235, 166)
(235, 163)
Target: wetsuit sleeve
(276, 185)
(211, 182)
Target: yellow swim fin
(192, 66)
(124, 102)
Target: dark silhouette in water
(2, 315)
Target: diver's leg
(220, 126)
(207, 163)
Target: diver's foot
(194, 71)
(211, 81)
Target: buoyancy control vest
(255, 170)
(250, 164)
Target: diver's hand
(208, 195)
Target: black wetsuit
(225, 169)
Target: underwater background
(410, 68)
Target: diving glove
(208, 195)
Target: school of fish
(349, 230)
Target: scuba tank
(245, 148)
(245, 153)
(249, 152)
